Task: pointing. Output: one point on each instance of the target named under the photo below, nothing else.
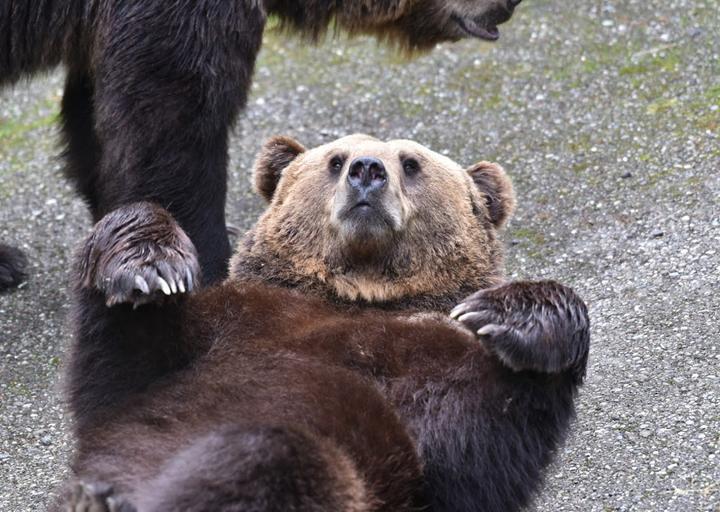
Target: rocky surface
(607, 116)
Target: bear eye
(410, 166)
(336, 164)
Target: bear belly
(287, 392)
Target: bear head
(382, 222)
(411, 24)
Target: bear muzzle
(365, 206)
(485, 26)
(363, 198)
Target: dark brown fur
(259, 396)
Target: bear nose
(513, 3)
(367, 174)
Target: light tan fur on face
(442, 238)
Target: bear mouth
(366, 215)
(485, 27)
(471, 28)
(367, 212)
(362, 205)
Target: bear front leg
(133, 274)
(168, 85)
(538, 326)
(490, 423)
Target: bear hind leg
(259, 469)
(132, 274)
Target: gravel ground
(606, 115)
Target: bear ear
(497, 189)
(275, 155)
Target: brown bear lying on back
(325, 374)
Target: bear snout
(485, 25)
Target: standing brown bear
(153, 88)
(325, 374)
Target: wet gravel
(606, 115)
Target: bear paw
(138, 254)
(96, 498)
(539, 326)
(13, 264)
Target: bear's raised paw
(138, 254)
(538, 326)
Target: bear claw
(457, 311)
(141, 284)
(492, 330)
(164, 286)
